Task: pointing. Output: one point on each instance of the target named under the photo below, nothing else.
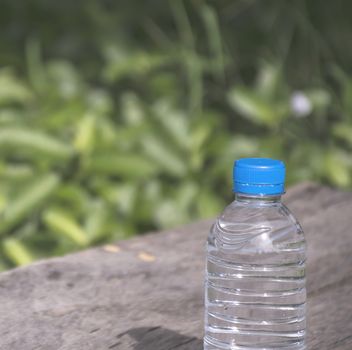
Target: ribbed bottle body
(255, 291)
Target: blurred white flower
(300, 104)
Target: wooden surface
(147, 293)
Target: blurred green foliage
(118, 117)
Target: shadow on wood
(157, 338)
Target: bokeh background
(120, 117)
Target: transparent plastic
(255, 295)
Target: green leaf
(64, 78)
(269, 81)
(208, 204)
(122, 63)
(183, 23)
(167, 215)
(29, 200)
(15, 172)
(35, 66)
(337, 169)
(186, 196)
(61, 223)
(99, 102)
(127, 166)
(123, 196)
(343, 131)
(167, 159)
(148, 198)
(346, 90)
(226, 149)
(34, 142)
(85, 135)
(132, 110)
(211, 22)
(95, 220)
(175, 123)
(177, 210)
(17, 252)
(200, 136)
(319, 98)
(72, 197)
(106, 133)
(253, 107)
(13, 89)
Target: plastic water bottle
(255, 291)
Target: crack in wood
(114, 345)
(94, 330)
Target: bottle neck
(258, 199)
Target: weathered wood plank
(149, 294)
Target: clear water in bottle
(255, 273)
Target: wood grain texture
(147, 293)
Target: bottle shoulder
(276, 213)
(256, 228)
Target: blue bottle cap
(261, 176)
